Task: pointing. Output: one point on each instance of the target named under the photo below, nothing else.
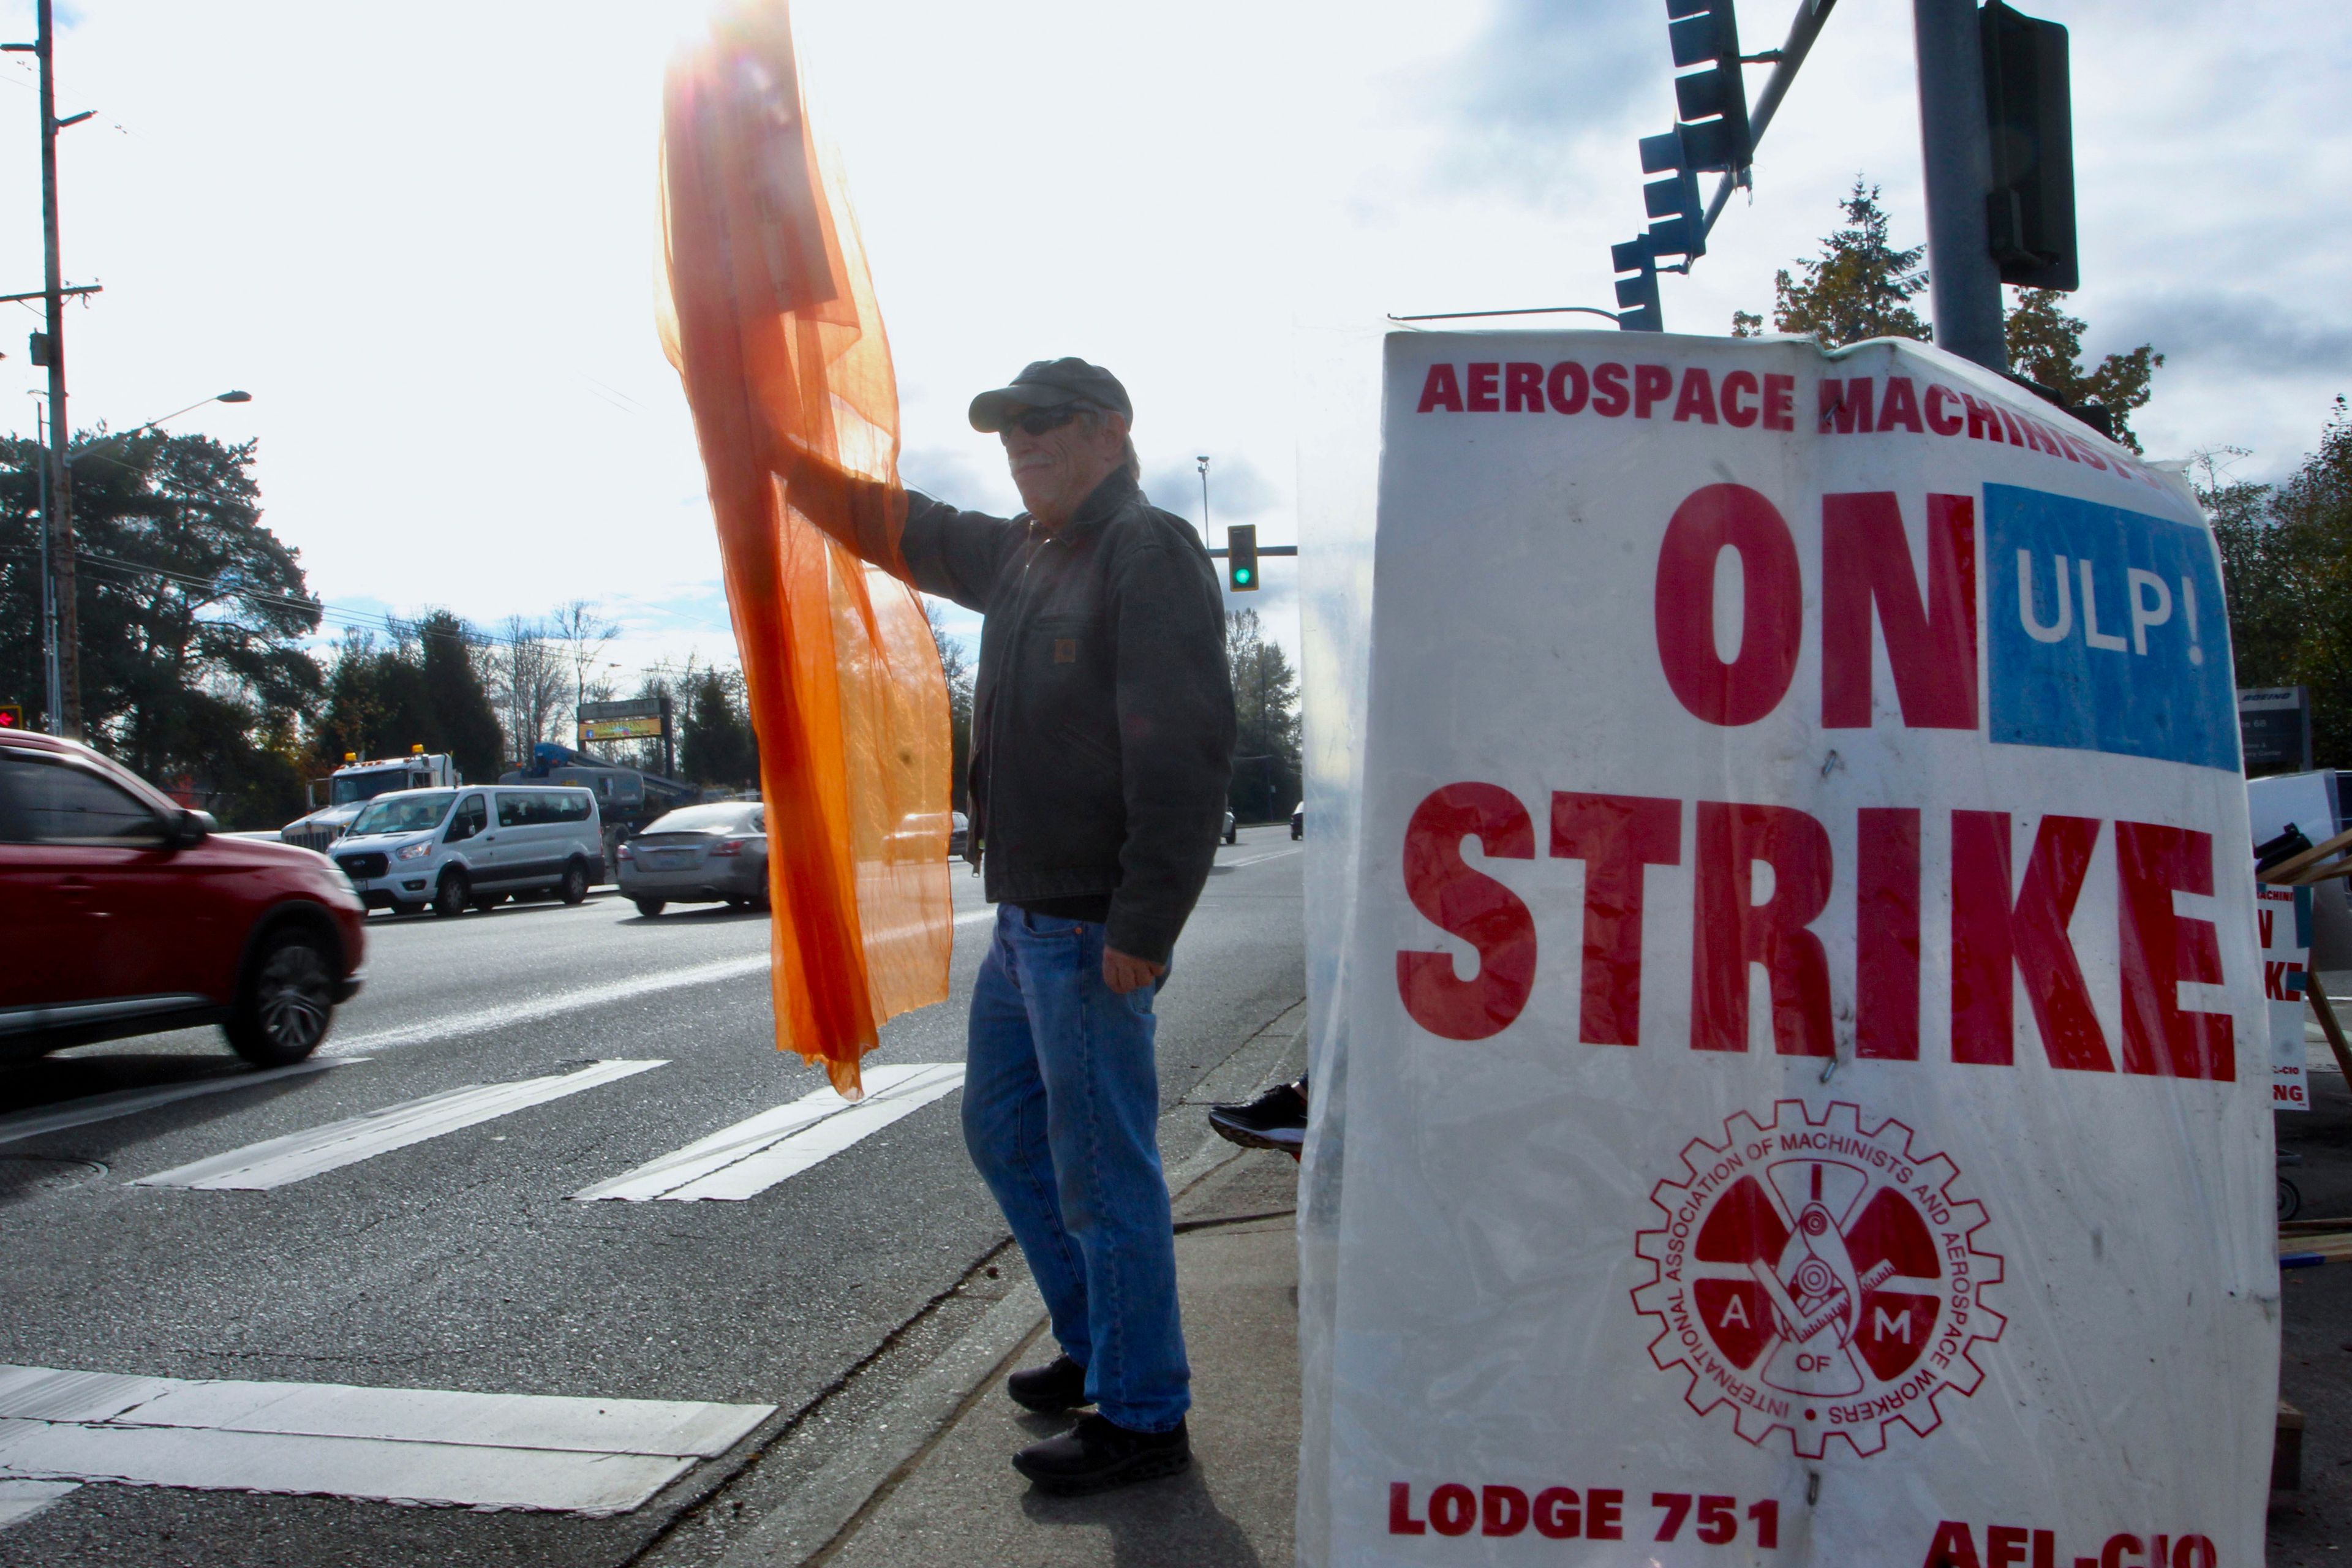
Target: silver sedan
(699, 855)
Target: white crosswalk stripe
(747, 1159)
(392, 1444)
(258, 1167)
(1255, 859)
(131, 1102)
(20, 1500)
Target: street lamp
(60, 653)
(229, 396)
(115, 441)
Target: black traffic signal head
(1241, 557)
(1680, 226)
(2030, 215)
(1637, 296)
(1706, 33)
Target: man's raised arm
(953, 554)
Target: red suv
(121, 912)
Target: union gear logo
(1822, 1280)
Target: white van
(455, 848)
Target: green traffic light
(1241, 573)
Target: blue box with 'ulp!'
(2108, 632)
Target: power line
(355, 619)
(345, 615)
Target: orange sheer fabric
(773, 325)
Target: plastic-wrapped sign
(2283, 919)
(1797, 1024)
(2305, 803)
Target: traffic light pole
(1956, 159)
(52, 677)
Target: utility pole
(63, 634)
(1955, 157)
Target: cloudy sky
(422, 236)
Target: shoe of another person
(1060, 1384)
(1097, 1454)
(1275, 1119)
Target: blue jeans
(1061, 1112)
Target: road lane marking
(747, 1159)
(131, 1102)
(475, 1021)
(257, 1167)
(392, 1415)
(448, 1474)
(20, 1500)
(393, 1444)
(456, 1026)
(1256, 860)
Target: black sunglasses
(1037, 421)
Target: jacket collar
(1101, 504)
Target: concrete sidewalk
(927, 1478)
(961, 1502)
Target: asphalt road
(462, 1262)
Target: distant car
(1231, 832)
(958, 834)
(1298, 820)
(122, 913)
(472, 848)
(699, 855)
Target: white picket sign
(1794, 1011)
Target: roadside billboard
(2274, 727)
(629, 719)
(620, 730)
(1794, 1010)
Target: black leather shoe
(1275, 1119)
(1097, 1454)
(1060, 1384)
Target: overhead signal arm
(1716, 132)
(1811, 15)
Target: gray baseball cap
(1050, 383)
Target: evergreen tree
(1267, 760)
(716, 743)
(424, 689)
(456, 701)
(192, 616)
(1860, 287)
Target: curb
(891, 1440)
(822, 1508)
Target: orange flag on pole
(773, 326)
